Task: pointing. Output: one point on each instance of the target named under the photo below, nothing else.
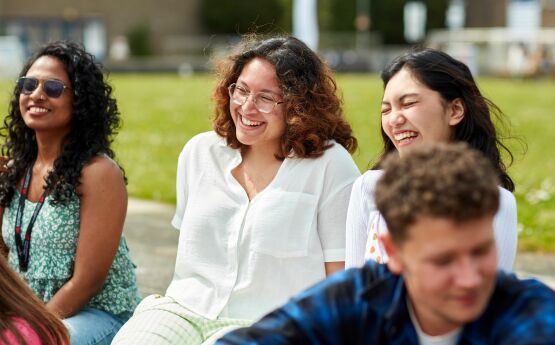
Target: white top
(450, 338)
(241, 259)
(365, 223)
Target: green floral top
(52, 255)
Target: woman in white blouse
(261, 201)
(430, 97)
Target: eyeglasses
(263, 102)
(52, 88)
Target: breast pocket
(283, 223)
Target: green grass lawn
(161, 112)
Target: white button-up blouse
(239, 258)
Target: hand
(5, 163)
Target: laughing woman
(430, 97)
(261, 200)
(63, 196)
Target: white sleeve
(362, 208)
(331, 229)
(505, 228)
(340, 173)
(180, 191)
(356, 226)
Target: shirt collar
(386, 295)
(234, 154)
(222, 142)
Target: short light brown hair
(313, 110)
(449, 181)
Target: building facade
(98, 24)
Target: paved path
(153, 245)
(152, 242)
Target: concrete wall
(548, 17)
(485, 13)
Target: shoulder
(100, 168)
(369, 178)
(506, 197)
(101, 171)
(507, 204)
(523, 296)
(26, 331)
(336, 158)
(335, 167)
(205, 139)
(366, 183)
(511, 286)
(336, 151)
(202, 144)
(525, 307)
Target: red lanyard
(24, 246)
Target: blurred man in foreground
(440, 285)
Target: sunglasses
(51, 87)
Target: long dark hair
(313, 110)
(95, 121)
(18, 301)
(452, 79)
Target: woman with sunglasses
(261, 200)
(430, 97)
(63, 195)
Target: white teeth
(405, 135)
(38, 110)
(249, 122)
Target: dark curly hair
(452, 79)
(313, 110)
(95, 121)
(442, 180)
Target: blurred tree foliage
(139, 40)
(437, 9)
(275, 16)
(245, 16)
(224, 16)
(386, 17)
(336, 15)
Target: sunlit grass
(161, 112)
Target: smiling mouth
(405, 137)
(468, 299)
(38, 110)
(248, 122)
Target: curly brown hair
(313, 110)
(450, 181)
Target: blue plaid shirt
(368, 306)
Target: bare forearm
(332, 267)
(72, 297)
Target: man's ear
(394, 263)
(456, 115)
